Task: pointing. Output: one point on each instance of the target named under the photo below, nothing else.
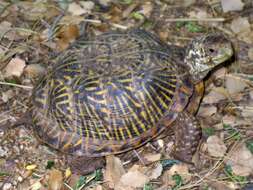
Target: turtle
(118, 90)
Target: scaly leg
(188, 134)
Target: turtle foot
(85, 165)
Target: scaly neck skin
(195, 59)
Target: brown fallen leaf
(14, 68)
(67, 34)
(7, 95)
(216, 95)
(234, 84)
(152, 157)
(55, 180)
(114, 170)
(134, 178)
(82, 8)
(241, 161)
(216, 146)
(34, 70)
(156, 172)
(207, 111)
(180, 169)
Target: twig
(195, 19)
(16, 85)
(100, 22)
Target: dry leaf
(222, 185)
(6, 30)
(216, 95)
(240, 24)
(232, 5)
(153, 157)
(146, 9)
(207, 111)
(216, 146)
(134, 179)
(241, 161)
(250, 53)
(31, 167)
(76, 9)
(34, 70)
(156, 172)
(14, 68)
(114, 170)
(234, 84)
(36, 186)
(97, 187)
(181, 169)
(7, 95)
(55, 180)
(68, 173)
(105, 3)
(67, 35)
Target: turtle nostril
(211, 50)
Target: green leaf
(194, 27)
(180, 24)
(12, 80)
(127, 2)
(98, 175)
(236, 178)
(80, 182)
(233, 133)
(249, 145)
(50, 164)
(147, 24)
(179, 181)
(209, 131)
(137, 16)
(147, 186)
(2, 174)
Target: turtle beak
(223, 55)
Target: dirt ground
(32, 33)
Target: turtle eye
(211, 50)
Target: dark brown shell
(110, 94)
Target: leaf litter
(37, 31)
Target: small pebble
(7, 186)
(20, 179)
(3, 152)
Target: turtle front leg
(84, 165)
(188, 134)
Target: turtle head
(206, 52)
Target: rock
(7, 186)
(232, 5)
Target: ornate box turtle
(121, 89)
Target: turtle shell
(110, 94)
